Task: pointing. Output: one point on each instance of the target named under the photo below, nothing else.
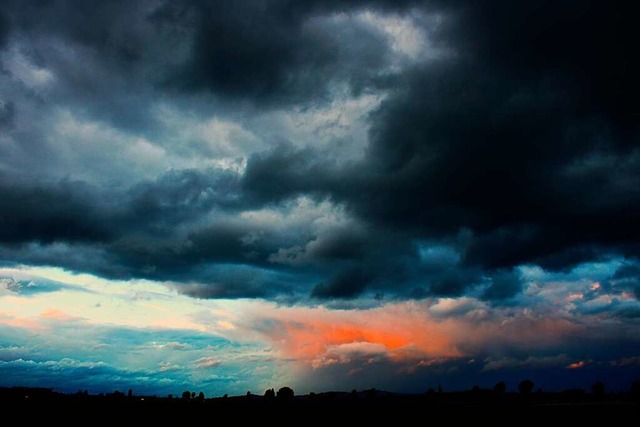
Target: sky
(232, 196)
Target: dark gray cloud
(349, 283)
(512, 139)
(73, 211)
(7, 112)
(279, 51)
(4, 29)
(284, 172)
(240, 281)
(102, 55)
(627, 278)
(504, 284)
(129, 233)
(66, 211)
(524, 138)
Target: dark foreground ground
(489, 409)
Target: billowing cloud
(446, 166)
(453, 142)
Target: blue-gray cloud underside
(516, 145)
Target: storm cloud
(322, 151)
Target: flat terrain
(436, 409)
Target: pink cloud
(24, 323)
(409, 333)
(58, 315)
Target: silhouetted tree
(439, 389)
(525, 387)
(130, 393)
(270, 393)
(500, 387)
(372, 393)
(597, 389)
(285, 393)
(201, 396)
(193, 394)
(186, 395)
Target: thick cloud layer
(523, 139)
(320, 151)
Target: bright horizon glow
(252, 343)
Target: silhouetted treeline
(531, 403)
(525, 389)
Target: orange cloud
(24, 323)
(399, 331)
(576, 365)
(58, 315)
(36, 323)
(402, 332)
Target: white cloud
(364, 352)
(303, 216)
(405, 36)
(206, 362)
(23, 69)
(206, 141)
(456, 306)
(338, 129)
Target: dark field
(484, 407)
